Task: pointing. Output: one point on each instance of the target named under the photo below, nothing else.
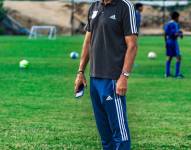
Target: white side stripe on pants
(120, 115)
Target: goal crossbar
(36, 29)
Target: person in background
(172, 33)
(139, 9)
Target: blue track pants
(110, 114)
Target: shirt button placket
(103, 10)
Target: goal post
(37, 31)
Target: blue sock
(177, 68)
(168, 67)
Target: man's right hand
(80, 79)
(180, 33)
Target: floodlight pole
(72, 17)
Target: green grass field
(38, 110)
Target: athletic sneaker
(180, 76)
(168, 76)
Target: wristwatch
(80, 72)
(126, 74)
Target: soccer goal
(38, 31)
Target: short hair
(175, 15)
(138, 5)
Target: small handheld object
(180, 34)
(80, 91)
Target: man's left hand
(121, 86)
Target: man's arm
(131, 41)
(80, 79)
(85, 52)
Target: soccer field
(39, 112)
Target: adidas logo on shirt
(113, 17)
(109, 98)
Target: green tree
(2, 10)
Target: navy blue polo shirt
(109, 24)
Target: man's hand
(121, 87)
(180, 33)
(80, 79)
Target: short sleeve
(88, 25)
(174, 29)
(178, 27)
(129, 19)
(165, 28)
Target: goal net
(38, 31)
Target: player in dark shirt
(111, 45)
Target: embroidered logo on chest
(113, 17)
(94, 14)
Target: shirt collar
(113, 2)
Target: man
(139, 10)
(172, 32)
(110, 44)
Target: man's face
(177, 19)
(141, 9)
